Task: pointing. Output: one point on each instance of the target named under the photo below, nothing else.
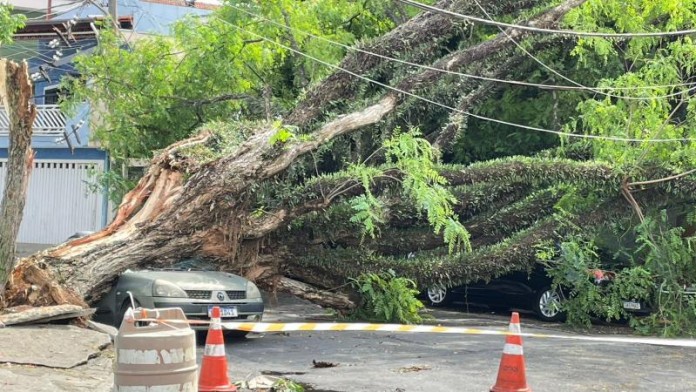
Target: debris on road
(415, 368)
(322, 364)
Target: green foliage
(628, 16)
(282, 136)
(576, 198)
(158, 90)
(631, 65)
(337, 20)
(421, 182)
(416, 158)
(661, 265)
(368, 212)
(669, 256)
(484, 140)
(112, 180)
(574, 271)
(285, 385)
(388, 298)
(9, 23)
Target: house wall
(60, 197)
(150, 17)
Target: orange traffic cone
(512, 375)
(214, 365)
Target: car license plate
(225, 311)
(631, 305)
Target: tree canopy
(9, 23)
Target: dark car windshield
(193, 265)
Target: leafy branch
(415, 159)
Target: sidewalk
(55, 358)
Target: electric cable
(577, 87)
(581, 86)
(483, 118)
(549, 31)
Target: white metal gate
(59, 200)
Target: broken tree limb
(336, 301)
(16, 94)
(40, 315)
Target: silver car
(190, 285)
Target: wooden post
(16, 97)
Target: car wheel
(547, 304)
(438, 295)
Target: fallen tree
(225, 193)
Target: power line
(543, 30)
(400, 91)
(46, 57)
(577, 87)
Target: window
(53, 95)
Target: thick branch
(337, 301)
(515, 254)
(16, 95)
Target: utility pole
(113, 11)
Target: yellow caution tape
(341, 327)
(290, 327)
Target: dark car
(643, 308)
(192, 285)
(531, 291)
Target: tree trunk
(16, 96)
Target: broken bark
(16, 96)
(29, 315)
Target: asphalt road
(436, 362)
